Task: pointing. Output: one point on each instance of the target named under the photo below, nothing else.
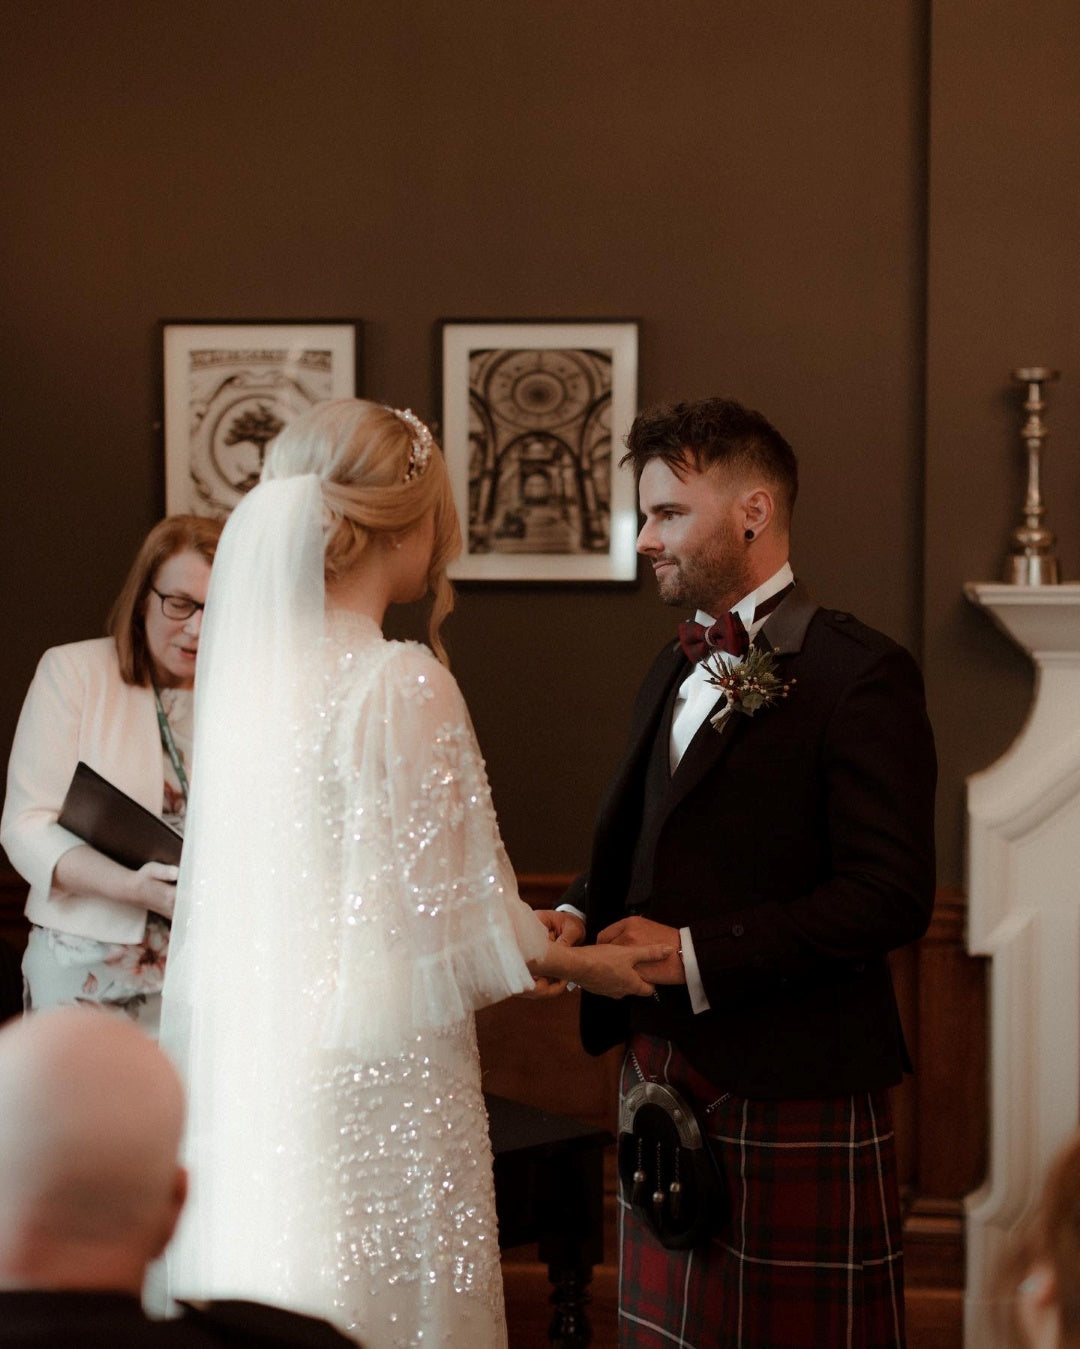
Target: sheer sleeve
(430, 922)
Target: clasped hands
(630, 957)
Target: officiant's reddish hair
(126, 624)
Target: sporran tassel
(639, 1189)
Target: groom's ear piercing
(748, 535)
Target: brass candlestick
(1030, 561)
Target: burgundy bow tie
(727, 633)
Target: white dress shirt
(695, 701)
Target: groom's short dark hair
(709, 432)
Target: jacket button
(737, 929)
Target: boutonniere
(747, 685)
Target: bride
(345, 905)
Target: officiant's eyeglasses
(177, 606)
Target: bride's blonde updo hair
(381, 473)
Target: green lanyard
(168, 744)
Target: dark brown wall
(749, 180)
(1004, 291)
(744, 179)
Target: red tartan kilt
(810, 1257)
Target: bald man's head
(91, 1113)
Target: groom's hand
(638, 931)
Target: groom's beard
(712, 579)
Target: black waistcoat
(646, 1014)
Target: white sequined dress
(338, 1142)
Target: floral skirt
(63, 970)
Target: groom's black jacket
(797, 846)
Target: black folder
(110, 821)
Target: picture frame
(230, 385)
(533, 418)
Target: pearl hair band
(422, 445)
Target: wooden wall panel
(530, 1052)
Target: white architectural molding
(1023, 883)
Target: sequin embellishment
(391, 1211)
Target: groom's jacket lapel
(648, 719)
(783, 633)
(784, 630)
(620, 816)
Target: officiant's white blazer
(78, 707)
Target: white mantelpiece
(1023, 882)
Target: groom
(783, 850)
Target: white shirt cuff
(569, 908)
(698, 999)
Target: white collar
(747, 606)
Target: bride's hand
(612, 970)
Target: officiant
(122, 704)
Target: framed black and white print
(533, 420)
(230, 387)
